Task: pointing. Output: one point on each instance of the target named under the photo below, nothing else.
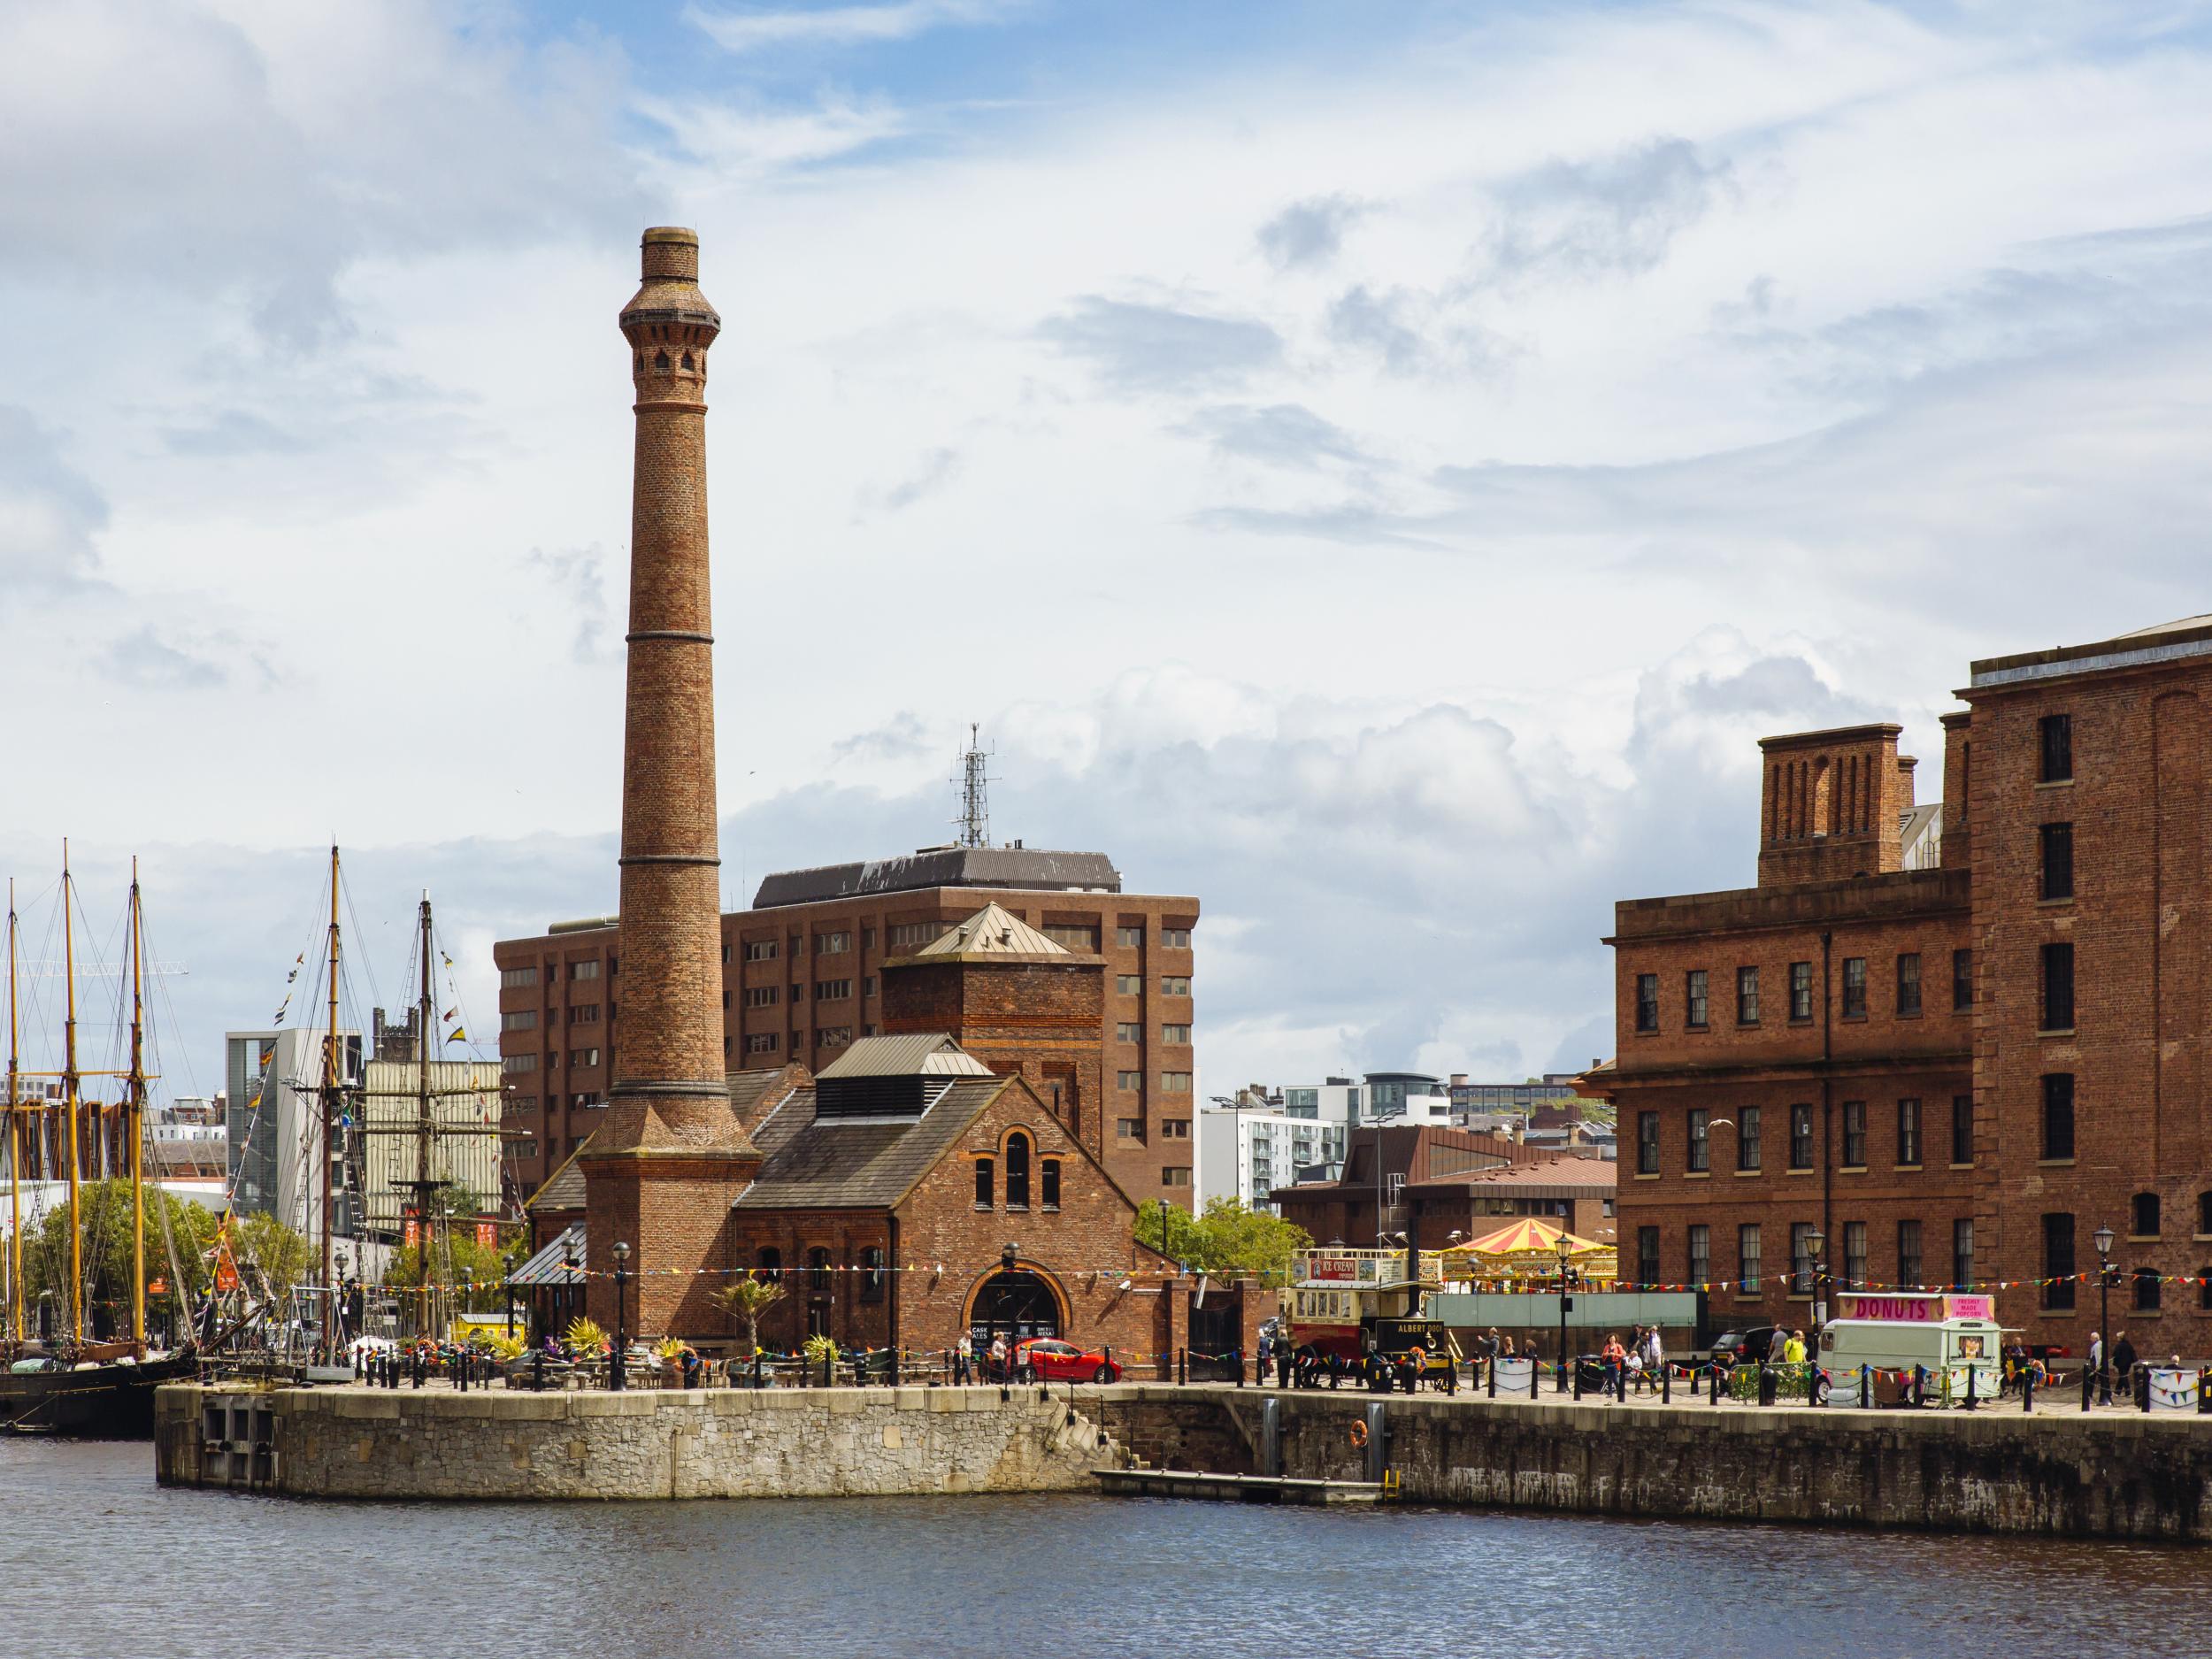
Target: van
(1946, 1349)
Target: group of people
(971, 1361)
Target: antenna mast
(975, 800)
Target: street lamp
(621, 1335)
(1565, 1251)
(468, 1289)
(1816, 1245)
(2102, 1240)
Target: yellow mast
(330, 1116)
(134, 1121)
(15, 1145)
(70, 1105)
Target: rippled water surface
(95, 1559)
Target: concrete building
(1956, 1040)
(803, 973)
(271, 1080)
(1245, 1152)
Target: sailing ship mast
(134, 1120)
(70, 1105)
(15, 1145)
(331, 1083)
(423, 1126)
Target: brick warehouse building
(1958, 1039)
(803, 974)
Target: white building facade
(1247, 1154)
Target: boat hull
(109, 1402)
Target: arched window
(1049, 1181)
(687, 360)
(2143, 1220)
(818, 1265)
(1017, 1170)
(872, 1273)
(768, 1264)
(983, 1199)
(2146, 1288)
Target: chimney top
(672, 233)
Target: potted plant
(747, 1300)
(821, 1359)
(669, 1350)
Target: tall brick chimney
(662, 1167)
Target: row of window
(515, 978)
(1850, 1272)
(1133, 1030)
(1749, 1123)
(1171, 1082)
(2147, 1290)
(1697, 992)
(1017, 1177)
(821, 1270)
(905, 936)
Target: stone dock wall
(359, 1442)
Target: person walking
(998, 1358)
(1616, 1358)
(2123, 1361)
(2097, 1370)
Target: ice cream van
(1948, 1335)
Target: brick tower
(663, 1168)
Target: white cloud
(753, 31)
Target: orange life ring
(1359, 1433)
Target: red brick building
(1417, 1174)
(806, 972)
(1954, 1040)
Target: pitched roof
(550, 1266)
(563, 1189)
(919, 1054)
(751, 1093)
(1587, 1173)
(867, 1165)
(992, 931)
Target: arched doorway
(1014, 1302)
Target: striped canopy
(1532, 1235)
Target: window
(1646, 1001)
(1962, 1251)
(1748, 1255)
(2056, 731)
(2058, 1114)
(763, 995)
(1175, 1082)
(1017, 1170)
(1175, 1128)
(1129, 1031)
(798, 993)
(1909, 1253)
(520, 1019)
(2058, 987)
(2204, 1289)
(833, 990)
(1962, 979)
(1699, 1144)
(1701, 1254)
(2058, 859)
(1646, 1256)
(1908, 1132)
(768, 1264)
(1175, 937)
(1129, 938)
(513, 978)
(760, 950)
(2143, 1215)
(1800, 1259)
(725, 954)
(1647, 1143)
(1175, 1033)
(1175, 985)
(818, 1270)
(761, 1042)
(526, 1148)
(2058, 1260)
(580, 1057)
(1962, 1128)
(983, 1187)
(868, 985)
(583, 971)
(833, 944)
(2146, 1288)
(1694, 999)
(515, 1063)
(1129, 984)
(1854, 987)
(1128, 1128)
(1854, 1255)
(1908, 983)
(1855, 1134)
(1800, 1137)
(2204, 1215)
(1747, 996)
(1801, 990)
(1048, 1183)
(872, 1273)
(1175, 1175)
(1747, 1137)
(833, 1036)
(1074, 936)
(583, 1014)
(914, 935)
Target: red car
(1048, 1359)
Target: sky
(1378, 469)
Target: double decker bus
(1347, 1302)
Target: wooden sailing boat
(73, 1386)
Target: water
(95, 1559)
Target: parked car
(1048, 1359)
(1747, 1346)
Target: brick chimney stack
(665, 1164)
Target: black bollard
(2027, 1388)
(1920, 1384)
(1666, 1384)
(1866, 1386)
(1182, 1365)
(2088, 1386)
(1770, 1385)
(1971, 1403)
(1578, 1378)
(2142, 1380)
(2204, 1391)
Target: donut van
(1948, 1335)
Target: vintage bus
(1347, 1301)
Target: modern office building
(272, 1116)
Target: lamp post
(1816, 1246)
(621, 1335)
(2102, 1240)
(468, 1289)
(338, 1325)
(1565, 1251)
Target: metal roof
(916, 1054)
(869, 1164)
(549, 1266)
(991, 931)
(1021, 869)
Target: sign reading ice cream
(1930, 1307)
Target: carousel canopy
(1530, 1236)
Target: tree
(105, 1209)
(278, 1255)
(488, 1266)
(748, 1299)
(1223, 1238)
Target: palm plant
(585, 1336)
(747, 1299)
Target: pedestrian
(1616, 1358)
(1336, 1369)
(1507, 1352)
(998, 1359)
(2123, 1359)
(957, 1356)
(1282, 1364)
